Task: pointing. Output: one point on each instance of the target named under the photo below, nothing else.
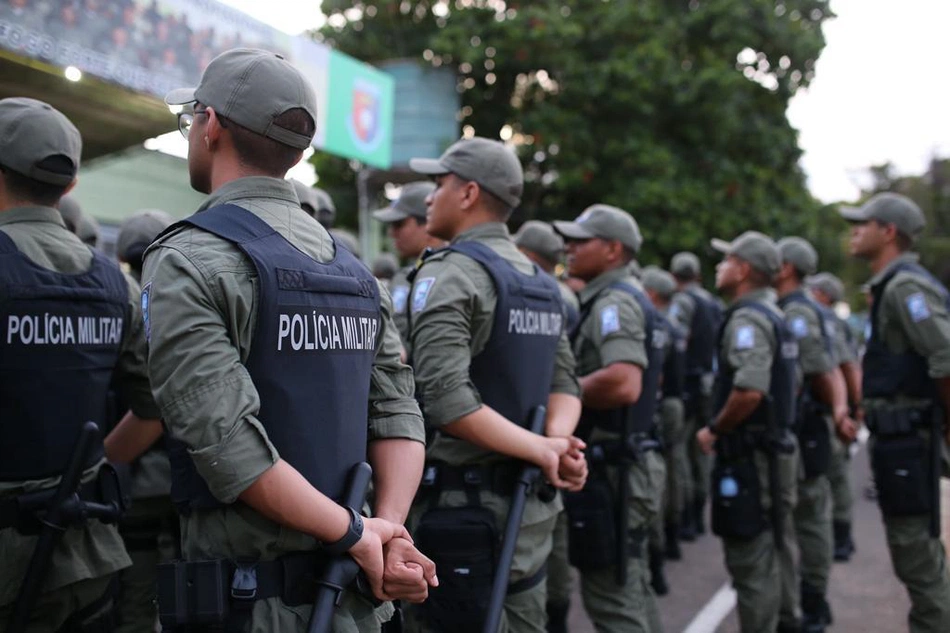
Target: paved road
(864, 594)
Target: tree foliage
(671, 109)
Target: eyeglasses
(186, 119)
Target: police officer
(150, 528)
(756, 460)
(660, 286)
(828, 290)
(488, 348)
(69, 318)
(316, 202)
(542, 245)
(701, 315)
(405, 221)
(906, 397)
(618, 346)
(274, 358)
(82, 224)
(822, 402)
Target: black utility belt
(900, 421)
(613, 451)
(743, 442)
(211, 592)
(499, 478)
(25, 512)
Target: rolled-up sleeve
(923, 317)
(205, 393)
(393, 410)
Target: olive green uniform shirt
(399, 289)
(96, 549)
(814, 353)
(844, 347)
(748, 343)
(203, 310)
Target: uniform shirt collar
(32, 214)
(483, 231)
(252, 187)
(765, 295)
(601, 281)
(908, 258)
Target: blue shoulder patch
(400, 297)
(745, 337)
(609, 320)
(145, 306)
(799, 327)
(917, 307)
(420, 293)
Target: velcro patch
(799, 327)
(400, 297)
(420, 293)
(745, 337)
(609, 320)
(917, 307)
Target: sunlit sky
(879, 94)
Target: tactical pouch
(736, 501)
(592, 536)
(814, 440)
(463, 543)
(901, 467)
(205, 605)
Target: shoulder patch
(400, 296)
(661, 338)
(674, 310)
(799, 327)
(421, 292)
(745, 337)
(917, 307)
(145, 305)
(609, 320)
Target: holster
(905, 471)
(737, 510)
(814, 438)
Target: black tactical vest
(311, 356)
(888, 374)
(704, 328)
(674, 365)
(782, 385)
(641, 412)
(513, 373)
(60, 336)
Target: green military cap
(71, 211)
(384, 266)
(493, 166)
(799, 253)
(31, 133)
(315, 201)
(252, 87)
(411, 203)
(755, 248)
(659, 281)
(88, 230)
(685, 264)
(605, 222)
(348, 240)
(889, 208)
(138, 231)
(828, 284)
(540, 237)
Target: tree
(672, 110)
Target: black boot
(657, 577)
(557, 616)
(699, 513)
(687, 525)
(673, 551)
(844, 545)
(815, 610)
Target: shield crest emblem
(364, 123)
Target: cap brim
(427, 166)
(390, 214)
(180, 96)
(853, 214)
(572, 230)
(721, 245)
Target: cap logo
(363, 125)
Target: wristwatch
(353, 534)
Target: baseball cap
(799, 253)
(71, 211)
(411, 203)
(889, 208)
(605, 222)
(349, 241)
(755, 248)
(659, 281)
(489, 163)
(685, 264)
(31, 132)
(539, 237)
(139, 230)
(314, 200)
(252, 87)
(828, 284)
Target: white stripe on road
(715, 611)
